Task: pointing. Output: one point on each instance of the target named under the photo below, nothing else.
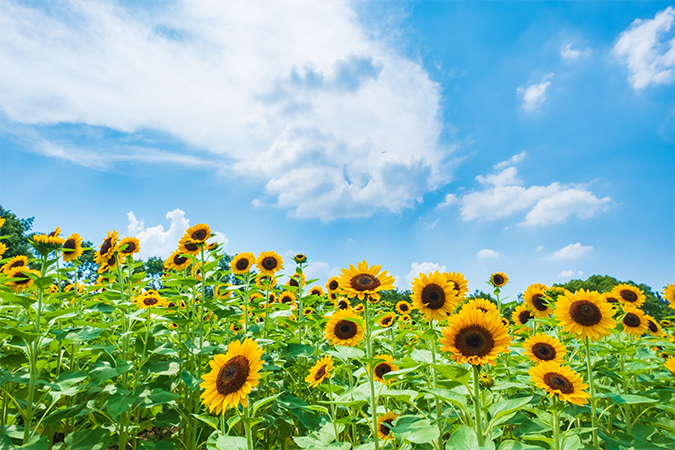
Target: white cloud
(572, 251)
(515, 159)
(425, 267)
(570, 274)
(432, 224)
(332, 121)
(645, 50)
(535, 94)
(156, 241)
(503, 195)
(569, 54)
(450, 200)
(539, 248)
(321, 270)
(487, 253)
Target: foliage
(15, 231)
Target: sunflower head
(269, 263)
(483, 304)
(223, 292)
(653, 326)
(383, 368)
(296, 281)
(187, 246)
(107, 249)
(542, 347)
(486, 381)
(21, 278)
(17, 261)
(560, 380)
(459, 283)
(150, 299)
(242, 263)
(343, 328)
(332, 285)
(177, 261)
(308, 311)
(72, 247)
(359, 308)
(300, 258)
(499, 279)
(475, 337)
(385, 424)
(316, 290)
(669, 294)
(634, 321)
(365, 280)
(537, 301)
(46, 243)
(666, 323)
(232, 376)
(403, 307)
(320, 371)
(584, 313)
(129, 246)
(387, 320)
(521, 315)
(629, 295)
(198, 233)
(288, 298)
(433, 295)
(670, 364)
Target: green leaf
(85, 334)
(505, 407)
(209, 420)
(190, 380)
(92, 439)
(119, 403)
(415, 430)
(162, 367)
(515, 445)
(36, 442)
(65, 413)
(218, 441)
(448, 395)
(464, 437)
(26, 335)
(159, 397)
(572, 443)
(260, 403)
(346, 353)
(629, 399)
(422, 356)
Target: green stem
(249, 430)
(589, 372)
(371, 376)
(476, 405)
(333, 414)
(435, 378)
(556, 427)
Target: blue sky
(533, 138)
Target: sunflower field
(256, 356)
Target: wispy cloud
(535, 94)
(426, 267)
(570, 274)
(571, 252)
(567, 53)
(515, 159)
(487, 253)
(329, 120)
(648, 50)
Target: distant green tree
(15, 231)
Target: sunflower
(670, 364)
(107, 249)
(475, 337)
(486, 381)
(372, 300)
(71, 288)
(629, 295)
(458, 283)
(433, 295)
(72, 247)
(343, 304)
(300, 258)
(232, 377)
(2, 221)
(333, 284)
(610, 297)
(316, 290)
(242, 263)
(387, 320)
(403, 307)
(342, 329)
(561, 380)
(320, 371)
(666, 323)
(46, 243)
(129, 246)
(3, 248)
(177, 261)
(269, 263)
(223, 292)
(499, 279)
(542, 347)
(584, 313)
(296, 280)
(265, 282)
(505, 321)
(521, 315)
(359, 308)
(150, 299)
(187, 246)
(634, 321)
(17, 261)
(287, 297)
(384, 425)
(198, 233)
(384, 368)
(653, 326)
(536, 301)
(669, 294)
(405, 318)
(308, 310)
(483, 304)
(23, 281)
(365, 280)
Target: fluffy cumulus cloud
(487, 253)
(331, 121)
(647, 48)
(417, 268)
(570, 274)
(535, 94)
(567, 53)
(572, 251)
(503, 194)
(158, 241)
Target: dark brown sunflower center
(191, 247)
(539, 302)
(269, 263)
(111, 261)
(107, 245)
(384, 429)
(612, 300)
(52, 234)
(320, 373)
(286, 299)
(343, 304)
(24, 278)
(631, 320)
(149, 301)
(474, 341)
(652, 326)
(455, 286)
(345, 329)
(293, 282)
(198, 235)
(386, 320)
(233, 375)
(497, 279)
(433, 296)
(242, 264)
(524, 316)
(315, 292)
(179, 260)
(69, 246)
(628, 295)
(558, 382)
(382, 368)
(586, 313)
(19, 263)
(543, 351)
(404, 307)
(333, 285)
(364, 282)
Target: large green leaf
(92, 439)
(415, 430)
